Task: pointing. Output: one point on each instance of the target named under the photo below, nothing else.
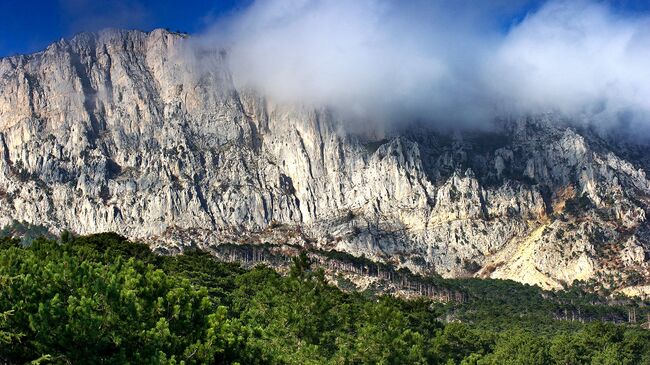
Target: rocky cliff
(145, 135)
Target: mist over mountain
(388, 62)
(326, 182)
(424, 136)
(148, 135)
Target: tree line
(101, 299)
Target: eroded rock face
(141, 134)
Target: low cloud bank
(449, 63)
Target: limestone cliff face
(141, 134)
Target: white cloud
(581, 58)
(447, 62)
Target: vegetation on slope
(101, 299)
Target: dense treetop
(101, 299)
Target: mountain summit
(147, 135)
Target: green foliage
(66, 236)
(80, 305)
(7, 337)
(301, 266)
(100, 299)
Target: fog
(448, 63)
(580, 58)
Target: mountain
(146, 134)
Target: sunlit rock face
(145, 135)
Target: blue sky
(28, 26)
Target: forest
(101, 299)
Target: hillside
(102, 300)
(147, 135)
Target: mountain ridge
(147, 135)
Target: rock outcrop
(146, 135)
